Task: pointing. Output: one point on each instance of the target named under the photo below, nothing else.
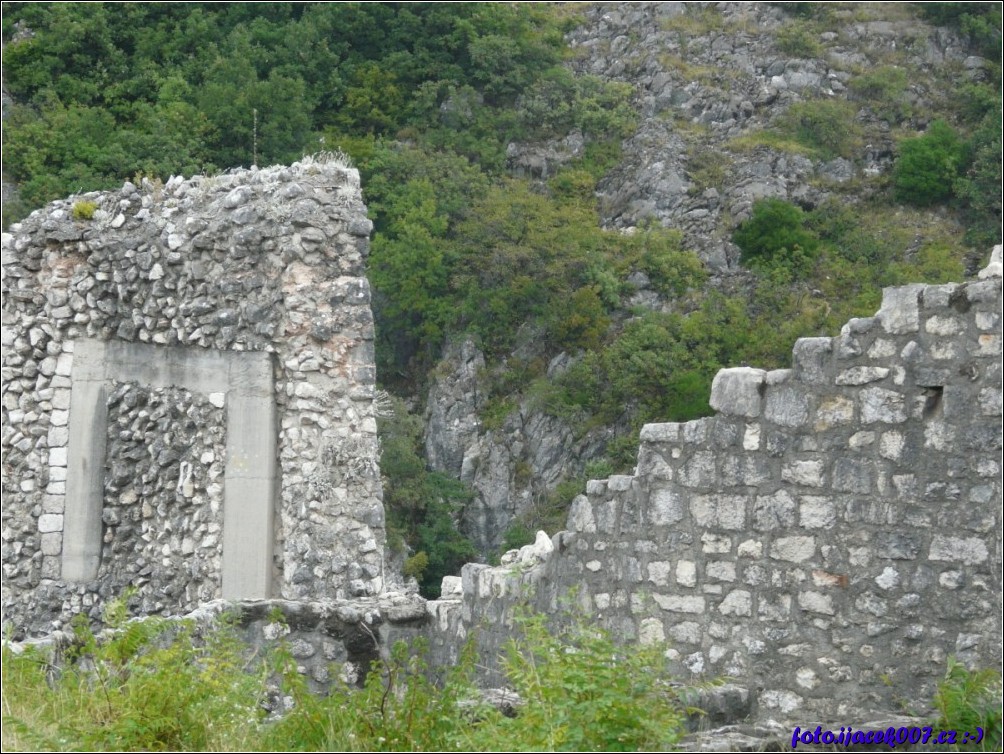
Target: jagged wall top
(827, 539)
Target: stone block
(651, 631)
(719, 511)
(966, 550)
(881, 405)
(721, 570)
(775, 511)
(990, 401)
(888, 579)
(900, 310)
(817, 512)
(793, 549)
(995, 267)
(667, 432)
(699, 471)
(787, 406)
(580, 517)
(809, 359)
(738, 391)
(986, 320)
(833, 411)
(620, 483)
(986, 290)
(852, 475)
(680, 604)
(715, 543)
(938, 296)
(52, 543)
(942, 325)
(816, 602)
(894, 545)
(860, 440)
(698, 430)
(891, 445)
(738, 602)
(751, 548)
(740, 471)
(784, 702)
(686, 632)
(666, 507)
(50, 522)
(658, 572)
(861, 375)
(686, 573)
(804, 473)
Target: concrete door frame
(251, 475)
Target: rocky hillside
(737, 103)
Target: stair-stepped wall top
(188, 396)
(827, 539)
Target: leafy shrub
(928, 165)
(414, 567)
(978, 188)
(708, 168)
(885, 89)
(579, 690)
(776, 235)
(826, 127)
(966, 700)
(798, 40)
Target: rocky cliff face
(708, 74)
(714, 82)
(512, 467)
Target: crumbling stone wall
(130, 320)
(827, 539)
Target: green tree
(776, 236)
(928, 165)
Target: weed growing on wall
(968, 699)
(84, 210)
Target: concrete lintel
(195, 369)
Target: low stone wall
(330, 640)
(826, 540)
(188, 396)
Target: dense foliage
(160, 88)
(158, 685)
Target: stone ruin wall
(826, 540)
(188, 397)
(188, 407)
